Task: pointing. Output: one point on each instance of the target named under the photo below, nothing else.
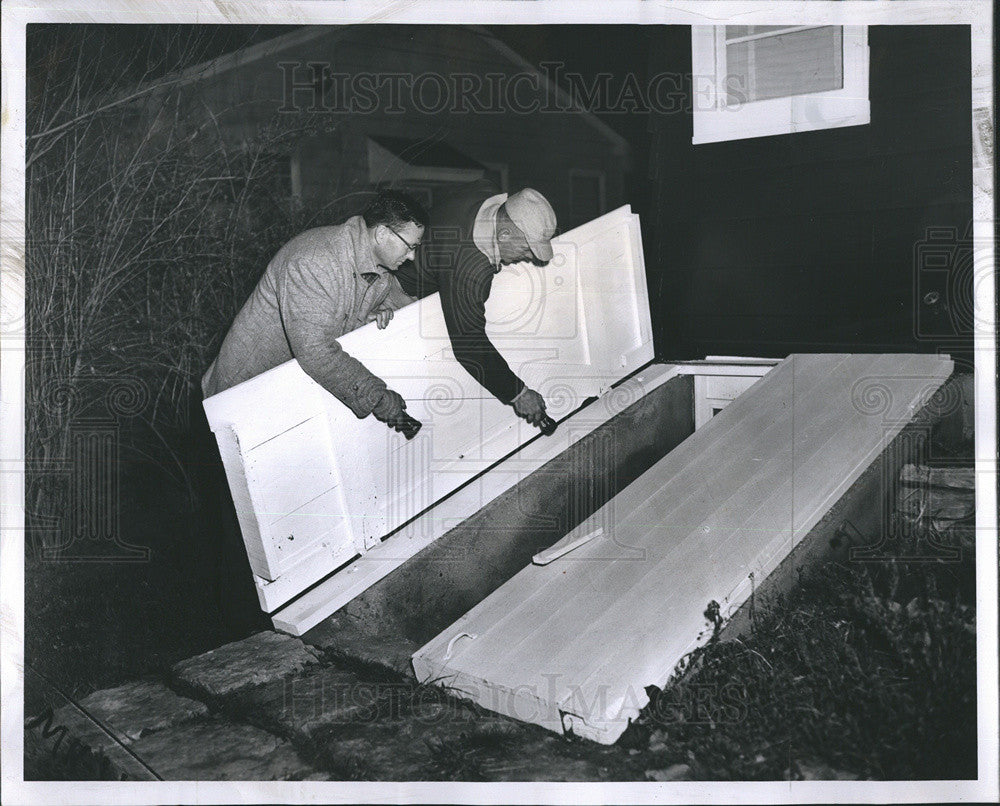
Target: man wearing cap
(475, 231)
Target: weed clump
(859, 672)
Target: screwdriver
(406, 425)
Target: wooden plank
(309, 609)
(738, 506)
(307, 568)
(633, 501)
(262, 560)
(720, 387)
(286, 393)
(641, 663)
(793, 508)
(290, 468)
(312, 526)
(724, 371)
(586, 634)
(947, 478)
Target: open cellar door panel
(316, 488)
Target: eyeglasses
(410, 247)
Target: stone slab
(233, 668)
(434, 739)
(139, 708)
(321, 696)
(392, 749)
(219, 750)
(341, 636)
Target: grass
(863, 670)
(467, 757)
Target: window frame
(295, 176)
(502, 169)
(714, 121)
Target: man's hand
(530, 405)
(391, 410)
(390, 407)
(381, 317)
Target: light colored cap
(533, 215)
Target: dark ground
(90, 625)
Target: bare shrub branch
(146, 230)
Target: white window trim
(592, 173)
(714, 121)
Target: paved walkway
(271, 707)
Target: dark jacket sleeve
(463, 301)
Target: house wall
(539, 149)
(813, 241)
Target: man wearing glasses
(476, 231)
(322, 284)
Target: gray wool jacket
(319, 286)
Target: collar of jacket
(484, 229)
(365, 266)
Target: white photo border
(17, 14)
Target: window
(423, 192)
(586, 195)
(496, 172)
(753, 81)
